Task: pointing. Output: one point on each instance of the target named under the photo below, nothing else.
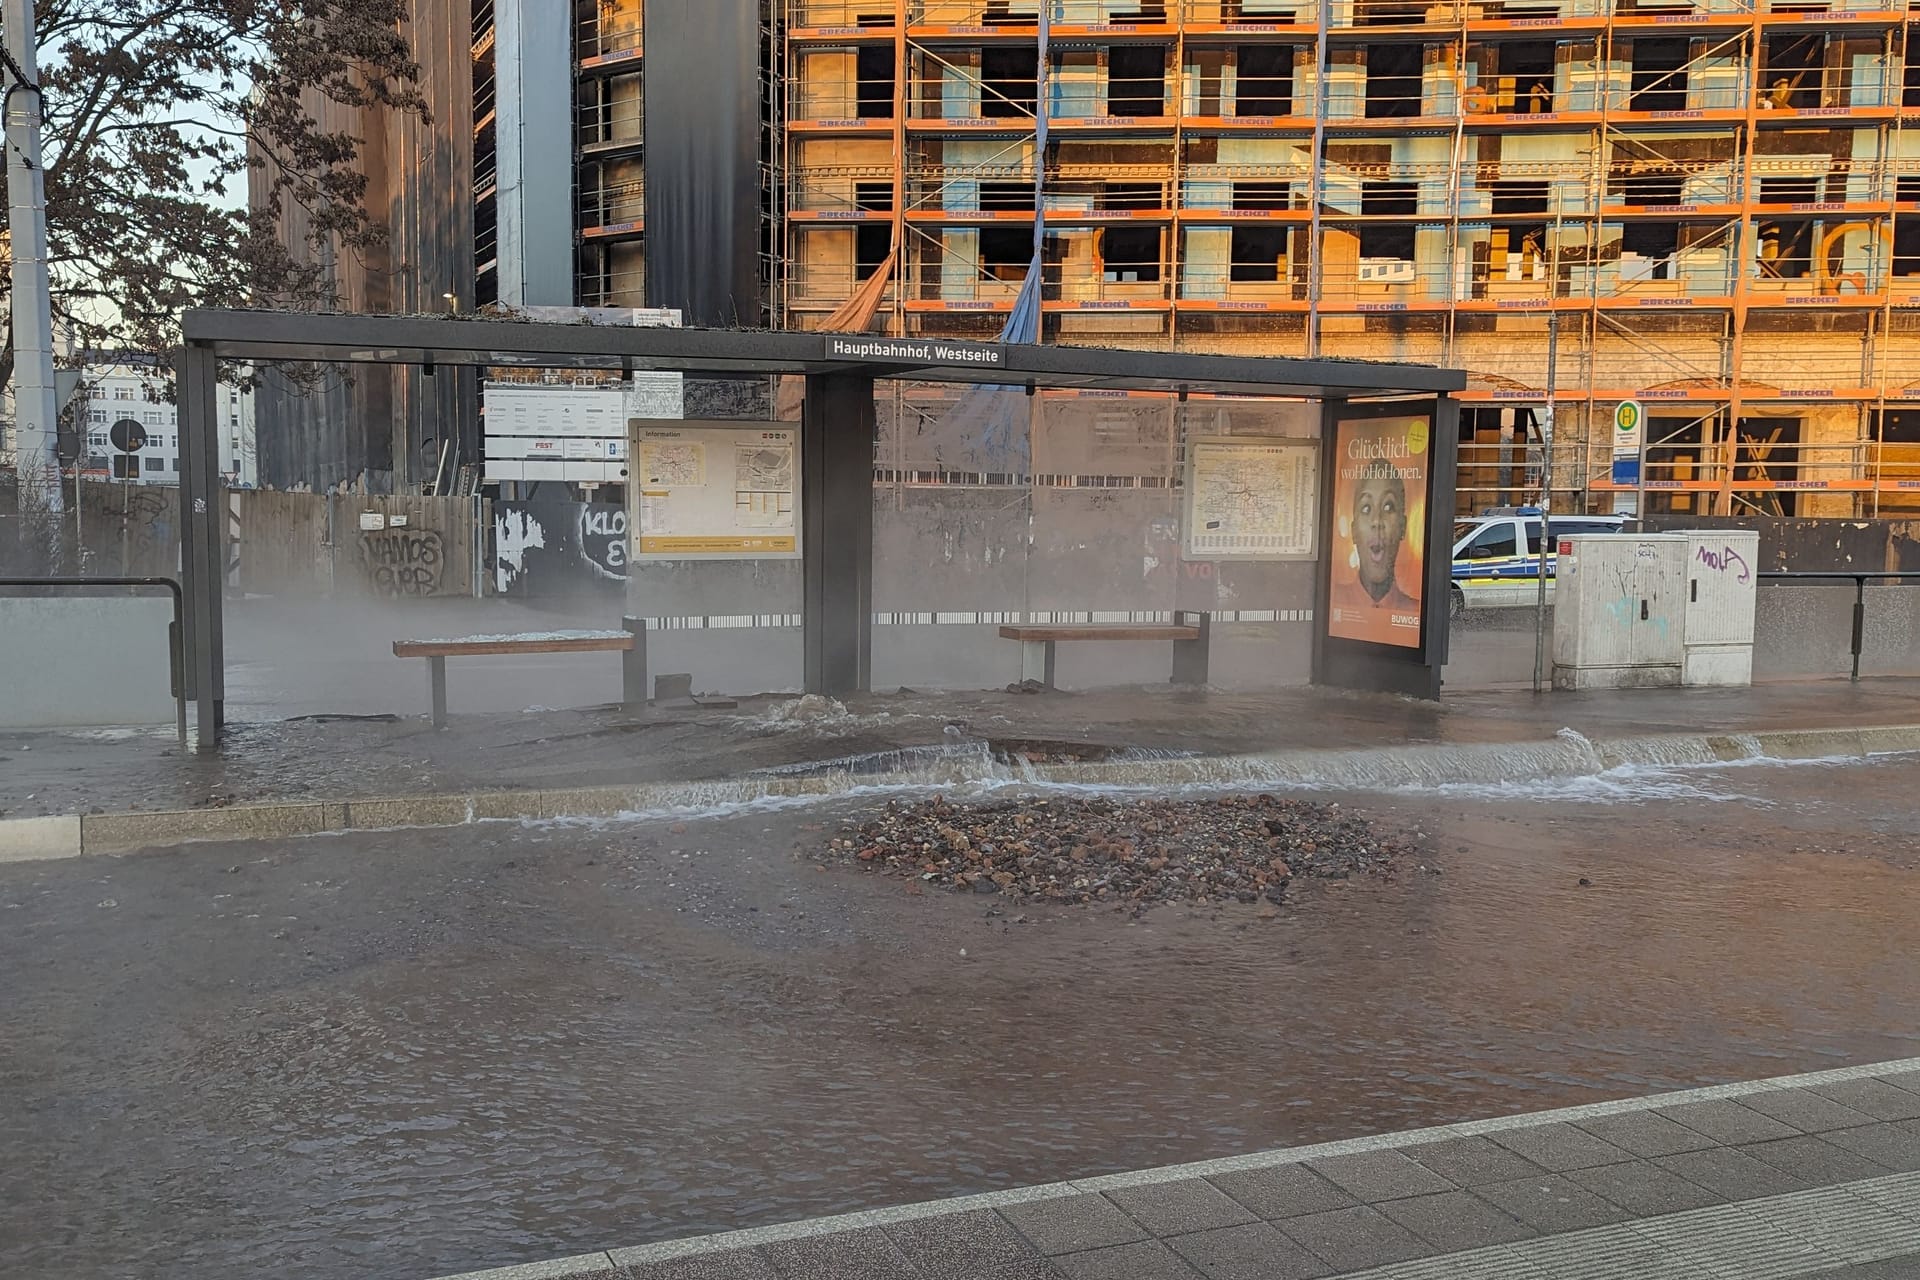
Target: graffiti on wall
(403, 562)
(559, 548)
(131, 529)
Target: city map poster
(714, 490)
(1252, 499)
(1381, 470)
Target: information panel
(714, 490)
(1250, 499)
(579, 434)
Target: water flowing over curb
(963, 768)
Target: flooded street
(406, 1054)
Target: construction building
(1715, 203)
(1708, 206)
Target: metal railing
(1859, 581)
(840, 13)
(1026, 13)
(613, 204)
(176, 655)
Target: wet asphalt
(408, 1054)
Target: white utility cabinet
(1619, 610)
(1723, 591)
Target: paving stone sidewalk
(1812, 1175)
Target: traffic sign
(1629, 426)
(128, 436)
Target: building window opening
(1795, 67)
(871, 245)
(1391, 13)
(1900, 426)
(1252, 195)
(1518, 199)
(1007, 82)
(1643, 190)
(1006, 195)
(1910, 77)
(1768, 450)
(1008, 13)
(1264, 80)
(1281, 11)
(1137, 80)
(1785, 249)
(1006, 252)
(874, 197)
(1659, 75)
(1906, 247)
(1393, 80)
(1526, 76)
(873, 89)
(1132, 195)
(1258, 254)
(1647, 250)
(1676, 449)
(1390, 199)
(1789, 190)
(1130, 254)
(1388, 241)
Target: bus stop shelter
(836, 454)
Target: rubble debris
(1120, 852)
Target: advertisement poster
(1381, 470)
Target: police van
(1496, 555)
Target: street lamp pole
(35, 415)
(1546, 505)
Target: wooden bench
(1191, 642)
(633, 667)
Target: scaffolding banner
(702, 110)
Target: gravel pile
(1070, 850)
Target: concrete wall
(103, 660)
(1807, 631)
(1801, 632)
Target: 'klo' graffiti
(554, 549)
(403, 562)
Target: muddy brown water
(410, 1054)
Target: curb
(1568, 755)
(602, 1265)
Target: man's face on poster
(1379, 527)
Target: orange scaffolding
(1717, 198)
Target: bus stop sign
(1629, 421)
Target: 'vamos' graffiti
(403, 562)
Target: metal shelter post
(203, 533)
(836, 502)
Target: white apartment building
(133, 390)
